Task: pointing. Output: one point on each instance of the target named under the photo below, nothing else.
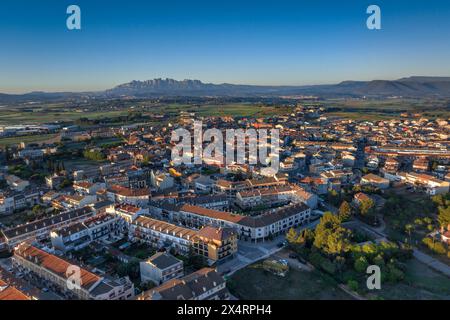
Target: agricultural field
(51, 113)
(373, 110)
(47, 115)
(38, 138)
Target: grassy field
(16, 116)
(220, 110)
(253, 282)
(50, 138)
(393, 105)
(421, 282)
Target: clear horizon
(256, 43)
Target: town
(106, 197)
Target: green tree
(361, 264)
(379, 261)
(333, 197)
(409, 228)
(352, 285)
(444, 216)
(292, 236)
(330, 236)
(345, 211)
(394, 274)
(366, 207)
(94, 155)
(308, 236)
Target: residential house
(160, 268)
(204, 284)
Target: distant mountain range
(405, 87)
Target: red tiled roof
(211, 213)
(11, 293)
(54, 264)
(128, 192)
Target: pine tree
(330, 236)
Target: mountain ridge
(414, 86)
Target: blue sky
(254, 42)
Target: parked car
(284, 261)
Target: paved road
(432, 262)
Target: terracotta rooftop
(165, 227)
(54, 264)
(218, 234)
(8, 292)
(221, 215)
(128, 192)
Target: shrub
(361, 264)
(328, 266)
(439, 248)
(436, 247)
(353, 285)
(394, 274)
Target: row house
(253, 228)
(87, 188)
(67, 202)
(160, 268)
(204, 284)
(215, 244)
(215, 201)
(81, 234)
(431, 184)
(375, 181)
(16, 183)
(40, 229)
(276, 196)
(58, 273)
(136, 197)
(128, 213)
(11, 201)
(158, 234)
(230, 188)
